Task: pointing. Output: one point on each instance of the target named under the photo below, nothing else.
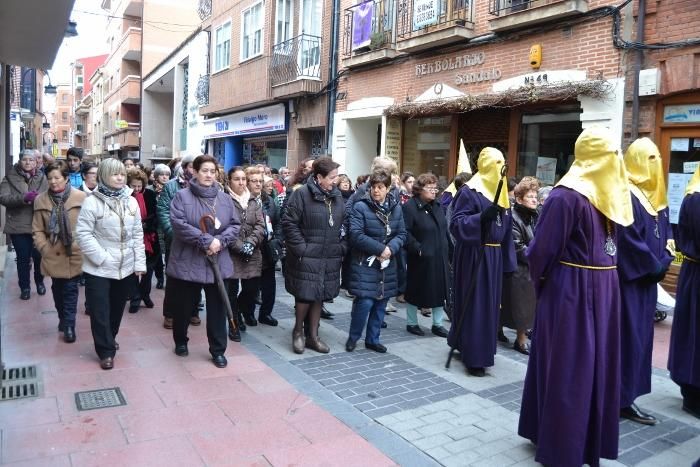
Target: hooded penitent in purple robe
(684, 351)
(570, 407)
(477, 340)
(641, 255)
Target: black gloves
(247, 251)
(490, 213)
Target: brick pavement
(404, 404)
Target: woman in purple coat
(188, 268)
(570, 406)
(684, 351)
(473, 208)
(642, 263)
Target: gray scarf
(59, 226)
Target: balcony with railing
(368, 33)
(127, 92)
(295, 67)
(424, 24)
(511, 14)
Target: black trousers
(106, 299)
(691, 396)
(142, 286)
(184, 296)
(26, 255)
(65, 298)
(244, 302)
(268, 290)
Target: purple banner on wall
(362, 25)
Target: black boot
(234, 334)
(240, 322)
(69, 334)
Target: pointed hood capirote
(646, 175)
(486, 179)
(599, 174)
(694, 183)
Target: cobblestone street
(270, 405)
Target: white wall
(607, 112)
(156, 122)
(361, 147)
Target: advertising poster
(546, 170)
(425, 13)
(676, 191)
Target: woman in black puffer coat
(315, 239)
(377, 234)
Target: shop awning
(524, 95)
(31, 31)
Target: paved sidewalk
(273, 407)
(179, 411)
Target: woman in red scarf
(146, 199)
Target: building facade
(264, 97)
(26, 109)
(62, 119)
(82, 128)
(525, 77)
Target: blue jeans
(367, 311)
(65, 297)
(26, 253)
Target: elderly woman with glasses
(427, 244)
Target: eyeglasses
(431, 190)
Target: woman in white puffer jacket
(110, 236)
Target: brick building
(269, 65)
(418, 78)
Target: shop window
(546, 146)
(270, 152)
(222, 47)
(252, 32)
(684, 160)
(426, 146)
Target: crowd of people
(573, 269)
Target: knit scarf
(27, 175)
(59, 228)
(111, 192)
(148, 237)
(242, 199)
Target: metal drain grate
(23, 372)
(20, 382)
(99, 399)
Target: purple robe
(570, 406)
(479, 325)
(640, 253)
(684, 351)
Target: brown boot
(298, 341)
(315, 343)
(168, 323)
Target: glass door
(680, 152)
(310, 40)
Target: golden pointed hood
(694, 183)
(598, 173)
(646, 175)
(485, 180)
(462, 166)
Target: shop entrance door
(680, 152)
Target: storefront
(257, 136)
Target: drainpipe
(332, 75)
(637, 68)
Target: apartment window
(64, 135)
(284, 15)
(64, 98)
(64, 116)
(252, 34)
(222, 47)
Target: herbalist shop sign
(469, 67)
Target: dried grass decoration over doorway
(597, 89)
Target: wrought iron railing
(369, 26)
(417, 17)
(296, 58)
(506, 7)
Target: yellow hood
(646, 175)
(462, 166)
(598, 173)
(694, 183)
(486, 179)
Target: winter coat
(520, 312)
(252, 231)
(110, 236)
(315, 248)
(368, 237)
(187, 259)
(427, 247)
(163, 207)
(272, 243)
(18, 214)
(55, 262)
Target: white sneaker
(390, 308)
